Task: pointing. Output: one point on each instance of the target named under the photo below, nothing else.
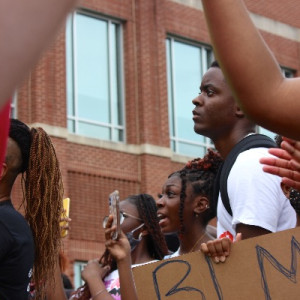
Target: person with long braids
(185, 204)
(30, 245)
(141, 242)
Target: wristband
(98, 293)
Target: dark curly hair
(201, 174)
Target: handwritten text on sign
(259, 268)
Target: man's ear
(3, 170)
(238, 112)
(201, 204)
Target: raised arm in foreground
(251, 70)
(26, 28)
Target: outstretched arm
(251, 69)
(93, 273)
(121, 252)
(26, 28)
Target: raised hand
(286, 164)
(120, 248)
(94, 270)
(219, 249)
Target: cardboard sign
(266, 267)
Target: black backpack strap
(251, 141)
(216, 191)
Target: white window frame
(121, 92)
(13, 106)
(78, 268)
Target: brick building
(114, 91)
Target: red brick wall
(284, 11)
(91, 173)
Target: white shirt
(256, 197)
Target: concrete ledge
(61, 132)
(261, 22)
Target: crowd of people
(263, 200)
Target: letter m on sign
(290, 274)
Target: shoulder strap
(251, 141)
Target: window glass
(186, 64)
(13, 107)
(94, 77)
(78, 267)
(92, 69)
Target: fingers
(276, 162)
(280, 153)
(109, 231)
(109, 221)
(238, 237)
(295, 165)
(65, 219)
(289, 177)
(204, 249)
(288, 140)
(106, 269)
(92, 269)
(291, 183)
(64, 226)
(293, 149)
(282, 172)
(218, 249)
(278, 166)
(287, 163)
(291, 146)
(93, 261)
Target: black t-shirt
(16, 253)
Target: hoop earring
(140, 236)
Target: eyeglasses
(123, 216)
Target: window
(288, 73)
(13, 106)
(78, 267)
(186, 64)
(94, 77)
(266, 132)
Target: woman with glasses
(141, 241)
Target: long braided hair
(201, 174)
(42, 198)
(156, 243)
(147, 210)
